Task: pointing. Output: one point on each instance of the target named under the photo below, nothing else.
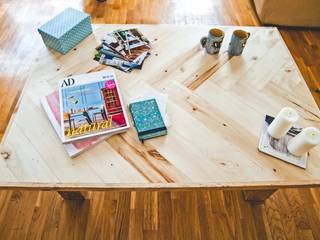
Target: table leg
(73, 195)
(257, 196)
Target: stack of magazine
(123, 49)
(85, 110)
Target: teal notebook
(147, 119)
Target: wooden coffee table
(216, 105)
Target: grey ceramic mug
(212, 43)
(238, 42)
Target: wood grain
(214, 104)
(302, 43)
(19, 45)
(204, 214)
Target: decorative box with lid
(66, 30)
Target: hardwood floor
(288, 214)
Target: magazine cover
(91, 105)
(51, 105)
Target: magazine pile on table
(85, 110)
(123, 49)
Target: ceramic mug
(238, 42)
(212, 43)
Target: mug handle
(246, 39)
(203, 41)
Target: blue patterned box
(66, 30)
(147, 119)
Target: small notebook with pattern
(147, 119)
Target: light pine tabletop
(216, 105)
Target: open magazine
(123, 49)
(91, 105)
(129, 43)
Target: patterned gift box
(66, 30)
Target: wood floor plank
(100, 208)
(165, 217)
(205, 215)
(261, 221)
(42, 206)
(274, 218)
(53, 218)
(234, 217)
(122, 217)
(247, 220)
(219, 216)
(136, 215)
(18, 216)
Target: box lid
(63, 22)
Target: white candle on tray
(283, 122)
(304, 141)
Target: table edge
(155, 186)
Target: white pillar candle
(304, 141)
(283, 122)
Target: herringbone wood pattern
(288, 214)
